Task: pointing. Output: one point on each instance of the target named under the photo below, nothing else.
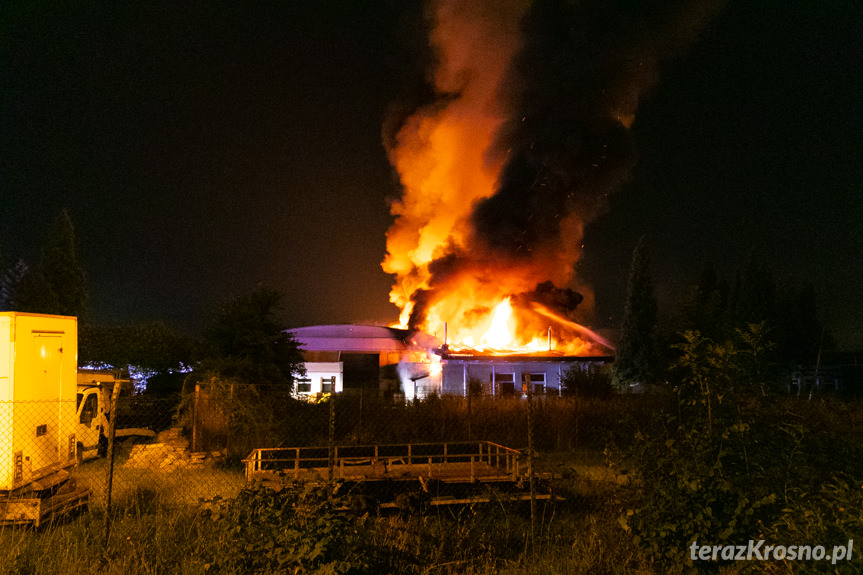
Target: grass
(152, 534)
(201, 521)
(146, 537)
(176, 486)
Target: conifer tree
(61, 269)
(31, 292)
(637, 357)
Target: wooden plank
(438, 501)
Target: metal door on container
(42, 415)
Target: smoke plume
(528, 136)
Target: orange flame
(498, 335)
(443, 155)
(447, 162)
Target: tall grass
(152, 536)
(147, 536)
(162, 527)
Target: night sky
(204, 148)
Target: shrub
(297, 529)
(593, 381)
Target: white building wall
(505, 377)
(319, 374)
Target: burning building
(384, 361)
(527, 134)
(510, 375)
(351, 358)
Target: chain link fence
(198, 446)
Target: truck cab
(93, 402)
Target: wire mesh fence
(209, 442)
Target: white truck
(38, 423)
(93, 400)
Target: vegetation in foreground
(303, 530)
(782, 469)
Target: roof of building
(360, 338)
(522, 357)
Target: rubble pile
(170, 451)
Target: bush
(593, 381)
(297, 530)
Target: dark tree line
(722, 312)
(244, 340)
(56, 284)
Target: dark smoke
(571, 93)
(574, 89)
(447, 272)
(560, 300)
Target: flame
(435, 367)
(443, 154)
(498, 335)
(502, 334)
(449, 159)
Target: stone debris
(169, 452)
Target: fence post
(332, 439)
(530, 474)
(195, 414)
(115, 394)
(469, 412)
(230, 420)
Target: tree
(246, 343)
(637, 357)
(10, 283)
(803, 334)
(29, 291)
(61, 269)
(753, 295)
(56, 285)
(706, 311)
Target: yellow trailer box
(38, 381)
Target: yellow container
(38, 382)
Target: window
(304, 386)
(535, 380)
(328, 384)
(505, 382)
(88, 410)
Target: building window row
(328, 385)
(504, 384)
